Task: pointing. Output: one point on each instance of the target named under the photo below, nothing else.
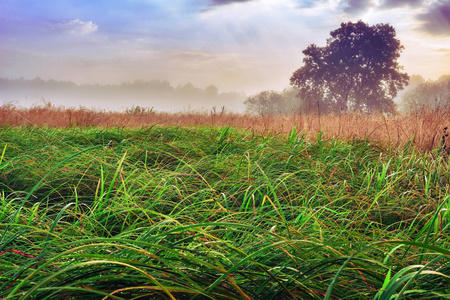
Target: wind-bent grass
(204, 213)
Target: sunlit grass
(219, 213)
(423, 129)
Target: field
(214, 211)
(423, 129)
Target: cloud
(400, 3)
(436, 20)
(308, 3)
(226, 2)
(443, 51)
(78, 27)
(356, 6)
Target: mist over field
(156, 94)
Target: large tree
(356, 70)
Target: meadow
(423, 129)
(231, 208)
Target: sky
(237, 45)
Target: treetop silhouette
(356, 70)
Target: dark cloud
(225, 2)
(356, 6)
(437, 20)
(217, 3)
(400, 3)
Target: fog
(157, 94)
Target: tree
(430, 95)
(290, 101)
(264, 103)
(273, 102)
(211, 91)
(356, 70)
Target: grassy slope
(218, 213)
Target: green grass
(218, 213)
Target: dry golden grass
(424, 129)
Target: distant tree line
(429, 95)
(159, 94)
(420, 95)
(138, 86)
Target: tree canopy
(356, 70)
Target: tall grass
(219, 213)
(423, 129)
